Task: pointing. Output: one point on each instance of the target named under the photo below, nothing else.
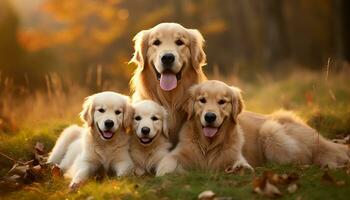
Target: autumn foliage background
(53, 53)
(283, 54)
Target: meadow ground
(320, 99)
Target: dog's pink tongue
(168, 81)
(209, 131)
(107, 134)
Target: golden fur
(146, 156)
(191, 58)
(281, 137)
(195, 150)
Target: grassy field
(321, 100)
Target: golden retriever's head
(213, 102)
(107, 112)
(150, 120)
(168, 49)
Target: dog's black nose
(168, 59)
(210, 117)
(145, 130)
(109, 123)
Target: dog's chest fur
(147, 157)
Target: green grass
(304, 92)
(188, 186)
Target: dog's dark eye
(221, 102)
(154, 118)
(137, 118)
(101, 110)
(203, 100)
(156, 42)
(117, 112)
(179, 42)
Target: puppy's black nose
(145, 130)
(109, 123)
(210, 117)
(168, 59)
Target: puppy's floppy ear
(189, 103)
(165, 123)
(198, 57)
(87, 114)
(140, 49)
(128, 114)
(237, 103)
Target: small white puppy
(149, 142)
(103, 142)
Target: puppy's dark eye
(203, 100)
(156, 42)
(137, 118)
(179, 42)
(154, 118)
(117, 112)
(221, 102)
(101, 110)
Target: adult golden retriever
(211, 139)
(103, 143)
(214, 135)
(169, 60)
(149, 143)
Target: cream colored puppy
(149, 142)
(103, 142)
(211, 139)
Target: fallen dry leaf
(39, 148)
(56, 171)
(19, 169)
(327, 177)
(268, 184)
(206, 195)
(292, 188)
(267, 189)
(340, 183)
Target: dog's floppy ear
(198, 57)
(237, 102)
(87, 115)
(189, 103)
(128, 115)
(140, 48)
(165, 122)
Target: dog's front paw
(167, 165)
(239, 166)
(139, 171)
(335, 158)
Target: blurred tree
(77, 36)
(10, 51)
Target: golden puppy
(211, 139)
(149, 142)
(80, 151)
(169, 60)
